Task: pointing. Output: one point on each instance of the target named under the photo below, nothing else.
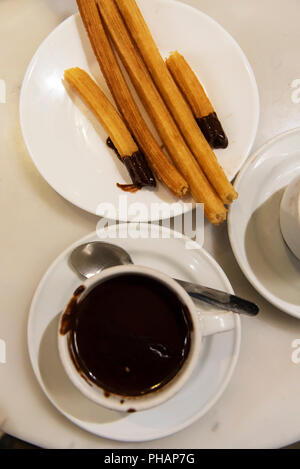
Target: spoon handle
(220, 299)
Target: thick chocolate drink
(130, 335)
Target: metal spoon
(91, 258)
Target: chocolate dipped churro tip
(126, 148)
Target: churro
(127, 150)
(164, 81)
(196, 96)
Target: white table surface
(261, 406)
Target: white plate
(216, 363)
(254, 227)
(68, 146)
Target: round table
(261, 405)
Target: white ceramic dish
(211, 377)
(254, 222)
(68, 146)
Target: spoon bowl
(91, 258)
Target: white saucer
(254, 222)
(67, 144)
(216, 363)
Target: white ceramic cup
(201, 325)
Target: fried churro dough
(180, 110)
(201, 106)
(112, 122)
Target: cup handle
(216, 322)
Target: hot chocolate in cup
(130, 337)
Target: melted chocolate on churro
(212, 130)
(138, 169)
